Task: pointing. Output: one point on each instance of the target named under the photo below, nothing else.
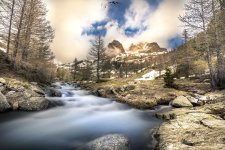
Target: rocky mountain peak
(115, 48)
(116, 44)
(146, 47)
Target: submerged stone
(109, 142)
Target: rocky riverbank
(24, 96)
(148, 94)
(197, 128)
(196, 120)
(194, 128)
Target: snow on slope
(152, 75)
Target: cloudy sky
(76, 22)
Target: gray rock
(33, 83)
(201, 97)
(4, 105)
(194, 101)
(17, 95)
(14, 98)
(3, 81)
(37, 90)
(112, 90)
(165, 115)
(54, 92)
(10, 93)
(2, 88)
(109, 142)
(130, 87)
(101, 92)
(34, 104)
(15, 87)
(193, 129)
(181, 101)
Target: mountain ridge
(115, 48)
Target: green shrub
(168, 79)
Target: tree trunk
(19, 29)
(219, 55)
(209, 61)
(186, 54)
(28, 32)
(98, 61)
(10, 26)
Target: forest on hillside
(26, 35)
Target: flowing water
(82, 118)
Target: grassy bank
(146, 94)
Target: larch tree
(97, 54)
(75, 68)
(19, 28)
(37, 33)
(30, 18)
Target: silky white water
(82, 118)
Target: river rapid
(82, 118)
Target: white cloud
(137, 13)
(162, 24)
(70, 18)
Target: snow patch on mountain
(152, 75)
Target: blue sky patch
(117, 12)
(97, 28)
(154, 3)
(175, 42)
(131, 32)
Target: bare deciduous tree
(198, 15)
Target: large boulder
(37, 90)
(21, 96)
(14, 98)
(109, 142)
(101, 92)
(201, 128)
(34, 104)
(2, 87)
(14, 85)
(181, 101)
(2, 81)
(195, 102)
(4, 105)
(52, 92)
